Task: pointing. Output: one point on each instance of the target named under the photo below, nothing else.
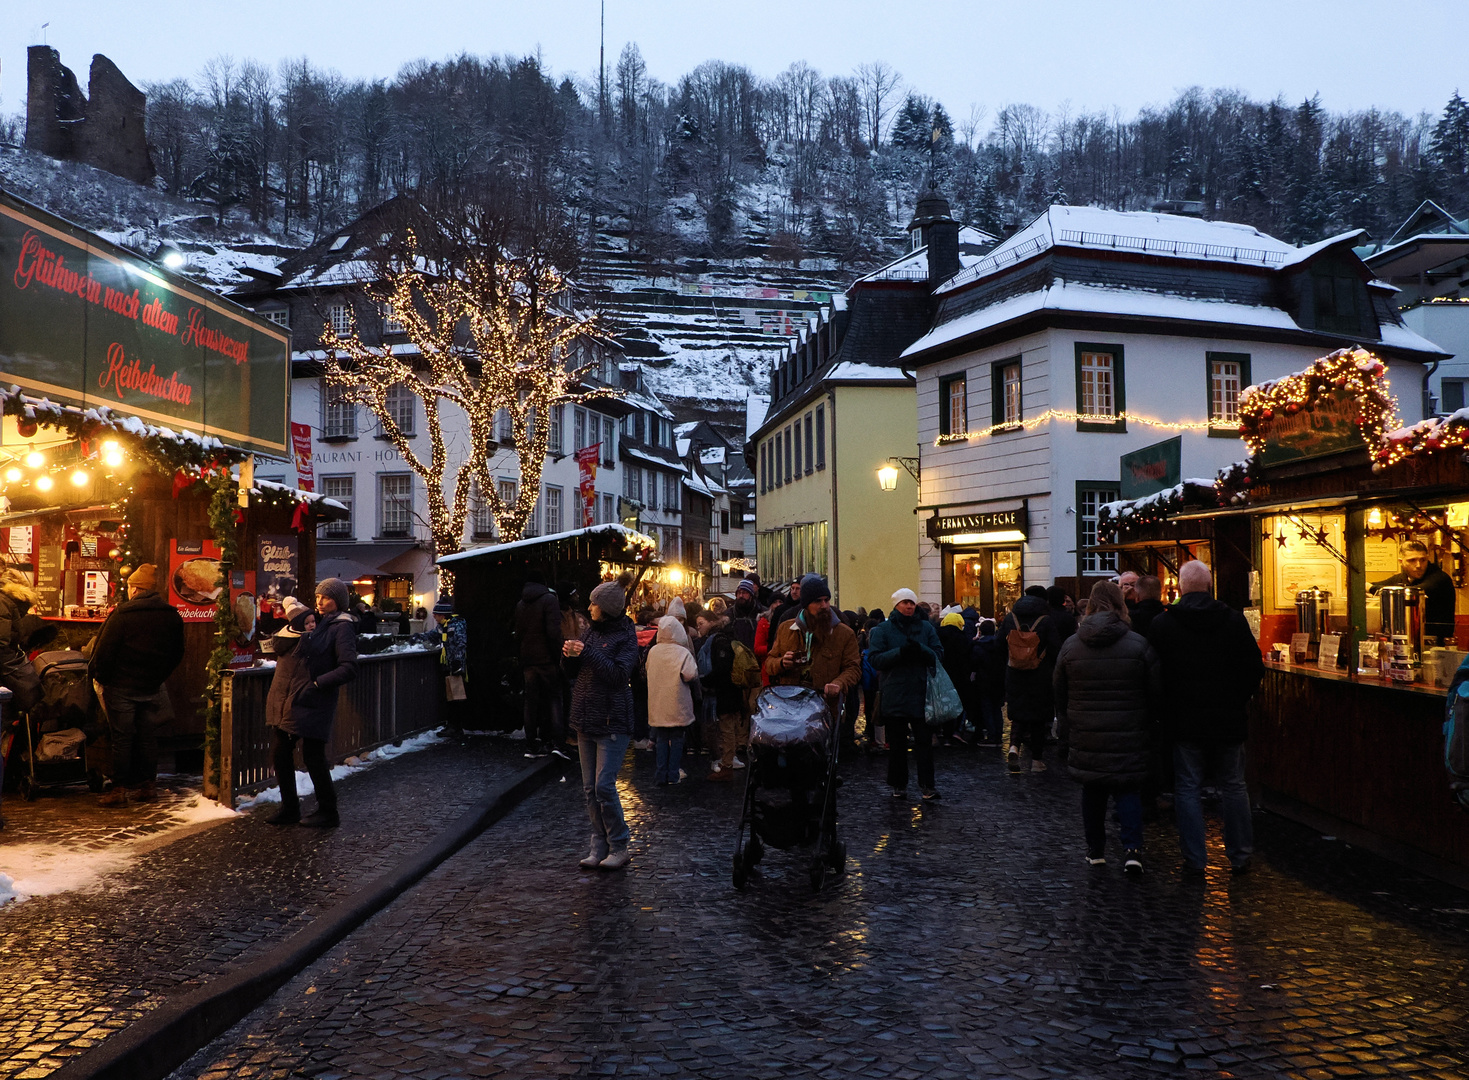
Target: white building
(1091, 334)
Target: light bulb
(80, 478)
(13, 474)
(35, 459)
(43, 483)
(111, 454)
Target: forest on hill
(724, 162)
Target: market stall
(1343, 541)
(134, 403)
(487, 582)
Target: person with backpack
(904, 650)
(1108, 687)
(671, 672)
(138, 648)
(1032, 640)
(1211, 668)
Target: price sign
(1330, 645)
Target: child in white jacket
(671, 670)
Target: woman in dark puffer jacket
(1108, 685)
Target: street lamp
(887, 478)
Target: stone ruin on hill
(104, 128)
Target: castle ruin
(104, 128)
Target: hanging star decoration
(1282, 538)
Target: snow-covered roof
(712, 455)
(1310, 251)
(914, 265)
(629, 536)
(756, 406)
(652, 459)
(683, 429)
(1101, 300)
(315, 499)
(695, 483)
(681, 447)
(346, 272)
(1130, 230)
(851, 371)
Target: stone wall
(104, 129)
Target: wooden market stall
(1308, 537)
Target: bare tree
(879, 85)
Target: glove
(912, 652)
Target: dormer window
(340, 242)
(917, 239)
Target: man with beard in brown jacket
(815, 648)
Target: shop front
(137, 403)
(982, 557)
(1344, 543)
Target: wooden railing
(394, 695)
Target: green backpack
(746, 669)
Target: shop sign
(301, 447)
(1153, 468)
(1325, 425)
(994, 521)
(86, 323)
(278, 573)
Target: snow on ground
(28, 870)
(351, 767)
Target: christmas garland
(1353, 371)
(223, 521)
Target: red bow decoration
(182, 481)
(299, 518)
(239, 516)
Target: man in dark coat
(140, 645)
(1028, 693)
(1438, 587)
(904, 650)
(1211, 669)
(1108, 686)
(602, 664)
(1065, 620)
(1149, 592)
(538, 633)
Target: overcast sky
(1095, 55)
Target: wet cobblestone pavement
(76, 966)
(969, 939)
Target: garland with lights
(1068, 417)
(1355, 372)
(223, 523)
(489, 339)
(1119, 518)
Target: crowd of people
(1144, 702)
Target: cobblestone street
(80, 965)
(968, 939)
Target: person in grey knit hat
(336, 589)
(602, 663)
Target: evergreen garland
(222, 525)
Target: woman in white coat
(671, 675)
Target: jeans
(667, 754)
(1094, 795)
(543, 705)
(314, 753)
(134, 718)
(1192, 762)
(601, 757)
(897, 728)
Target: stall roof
(622, 531)
(352, 561)
(1265, 508)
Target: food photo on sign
(194, 580)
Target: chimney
(934, 228)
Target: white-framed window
(632, 483)
(954, 406)
(509, 491)
(651, 484)
(504, 427)
(558, 424)
(579, 428)
(391, 323)
(551, 503)
(342, 489)
(400, 402)
(1098, 390)
(609, 441)
(340, 317)
(1010, 393)
(395, 501)
(609, 509)
(280, 316)
(1088, 500)
(338, 415)
(1229, 373)
(672, 489)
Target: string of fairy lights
(489, 339)
(1066, 416)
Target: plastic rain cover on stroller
(787, 716)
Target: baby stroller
(790, 788)
(55, 732)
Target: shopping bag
(454, 687)
(941, 704)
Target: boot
(286, 815)
(144, 792)
(594, 860)
(615, 861)
(324, 818)
(115, 796)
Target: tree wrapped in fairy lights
(491, 331)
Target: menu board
(49, 559)
(194, 578)
(1301, 563)
(1380, 558)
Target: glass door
(987, 580)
